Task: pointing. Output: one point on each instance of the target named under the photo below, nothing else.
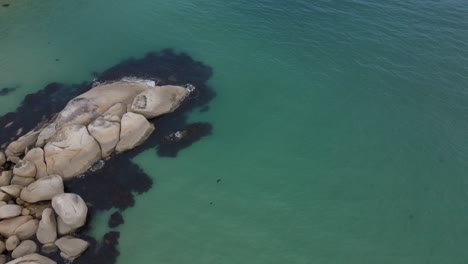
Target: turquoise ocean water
(340, 127)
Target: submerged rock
(71, 151)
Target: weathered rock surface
(43, 189)
(48, 248)
(115, 112)
(71, 208)
(10, 210)
(134, 130)
(24, 248)
(8, 227)
(71, 247)
(158, 100)
(46, 134)
(27, 230)
(25, 168)
(5, 177)
(36, 156)
(22, 181)
(17, 148)
(47, 231)
(71, 151)
(2, 246)
(12, 190)
(106, 133)
(92, 104)
(32, 259)
(4, 197)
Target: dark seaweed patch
(116, 183)
(6, 5)
(115, 220)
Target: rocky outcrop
(43, 189)
(134, 130)
(158, 100)
(71, 151)
(71, 247)
(71, 209)
(108, 118)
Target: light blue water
(339, 126)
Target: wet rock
(115, 220)
(32, 259)
(106, 133)
(5, 177)
(71, 247)
(135, 129)
(71, 152)
(12, 190)
(24, 248)
(43, 189)
(47, 231)
(11, 243)
(25, 168)
(22, 181)
(158, 100)
(71, 208)
(9, 211)
(36, 156)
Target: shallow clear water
(339, 126)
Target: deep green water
(340, 127)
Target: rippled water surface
(339, 127)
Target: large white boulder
(159, 100)
(71, 151)
(46, 134)
(107, 134)
(71, 208)
(8, 227)
(134, 130)
(43, 189)
(24, 248)
(17, 148)
(25, 168)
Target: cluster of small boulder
(108, 118)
